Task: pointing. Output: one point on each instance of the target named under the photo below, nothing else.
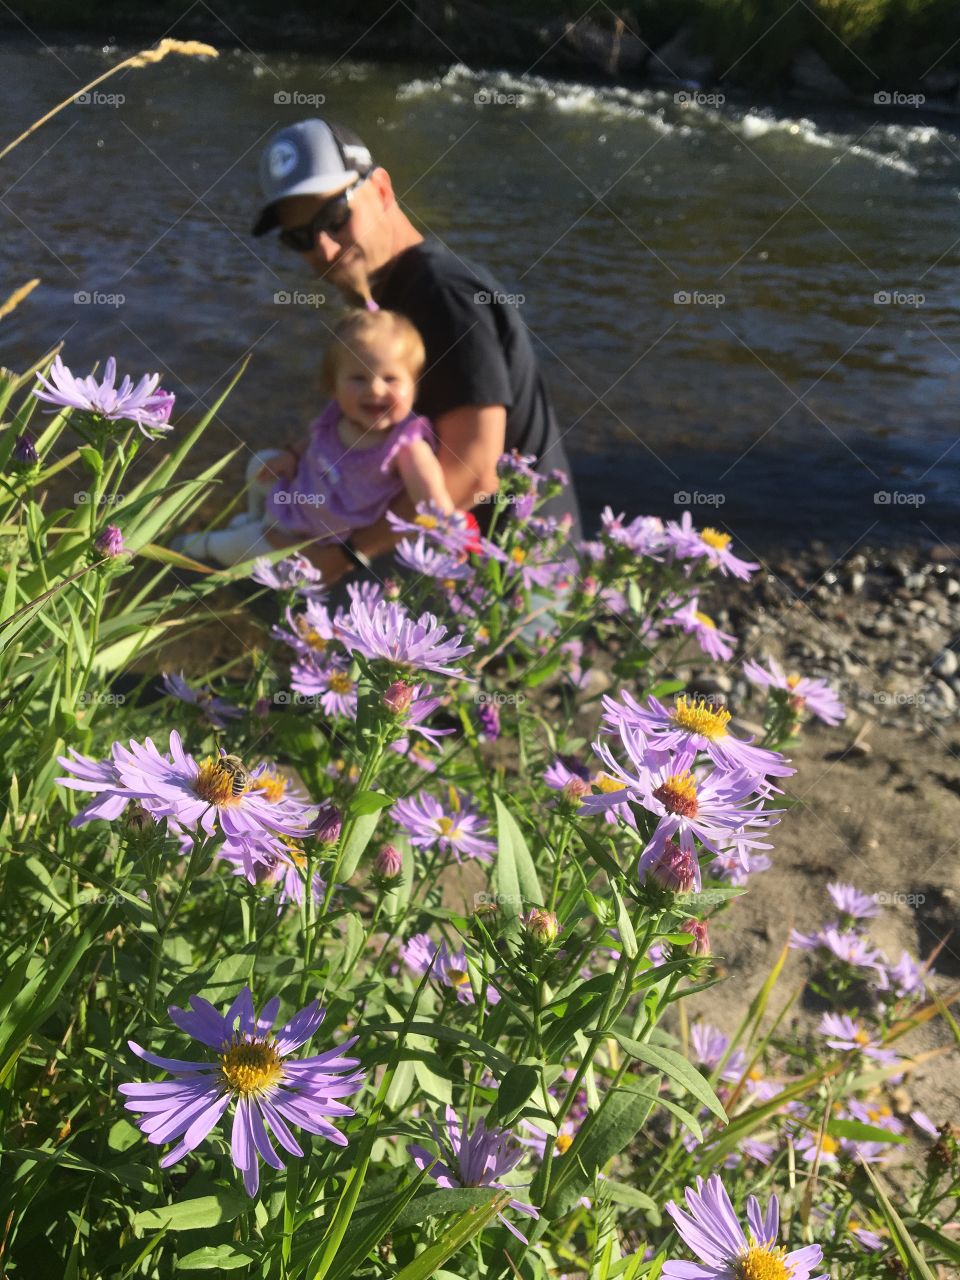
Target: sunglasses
(332, 217)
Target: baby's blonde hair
(361, 328)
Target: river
(744, 313)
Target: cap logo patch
(283, 159)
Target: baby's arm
(423, 476)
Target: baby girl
(365, 449)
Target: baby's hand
(283, 467)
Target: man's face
(348, 256)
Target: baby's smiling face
(374, 385)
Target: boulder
(811, 74)
(680, 59)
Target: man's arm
(471, 440)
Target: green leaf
(621, 1193)
(355, 1250)
(191, 1215)
(516, 875)
(364, 814)
(860, 1132)
(606, 1133)
(516, 1087)
(904, 1243)
(498, 1062)
(452, 1241)
(218, 1257)
(676, 1066)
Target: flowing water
(741, 313)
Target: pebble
(856, 581)
(946, 664)
(914, 582)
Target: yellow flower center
(713, 538)
(876, 1114)
(295, 852)
(310, 636)
(447, 827)
(861, 1037)
(679, 794)
(426, 521)
(705, 620)
(792, 681)
(271, 785)
(606, 784)
(449, 584)
(700, 716)
(340, 682)
(214, 784)
(251, 1066)
(829, 1146)
(762, 1262)
(564, 1143)
(518, 555)
(458, 977)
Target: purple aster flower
(421, 707)
(143, 404)
(804, 691)
(447, 967)
(851, 902)
(643, 536)
(925, 1124)
(689, 543)
(109, 542)
(432, 561)
(850, 948)
(249, 1067)
(870, 1241)
(329, 683)
(102, 778)
(709, 1045)
(716, 644)
(572, 779)
(908, 978)
(458, 829)
(719, 809)
(479, 1159)
(712, 1231)
(215, 795)
(280, 865)
(292, 573)
(386, 632)
(456, 533)
(843, 1032)
(736, 864)
(217, 710)
(693, 723)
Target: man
(481, 388)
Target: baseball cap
(308, 158)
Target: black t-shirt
(478, 353)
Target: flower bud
(541, 925)
(24, 451)
(388, 863)
(109, 542)
(675, 869)
(391, 589)
(574, 789)
(700, 932)
(327, 824)
(397, 698)
(488, 719)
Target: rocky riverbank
(819, 50)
